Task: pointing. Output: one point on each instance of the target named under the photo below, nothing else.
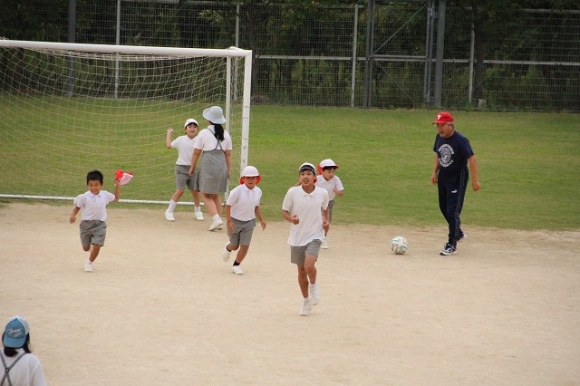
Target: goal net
(66, 109)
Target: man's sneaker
(199, 216)
(169, 216)
(324, 245)
(462, 238)
(88, 266)
(314, 294)
(216, 225)
(237, 270)
(448, 250)
(226, 254)
(306, 307)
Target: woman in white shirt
(216, 145)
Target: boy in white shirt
(184, 145)
(306, 207)
(93, 226)
(242, 207)
(328, 180)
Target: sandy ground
(162, 308)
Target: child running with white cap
(306, 207)
(328, 180)
(242, 207)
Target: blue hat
(15, 332)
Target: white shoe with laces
(169, 216)
(199, 216)
(306, 307)
(216, 225)
(237, 270)
(88, 266)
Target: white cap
(214, 114)
(189, 122)
(326, 163)
(250, 171)
(307, 166)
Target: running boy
(184, 145)
(306, 207)
(333, 185)
(93, 227)
(242, 207)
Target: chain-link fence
(309, 53)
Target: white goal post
(69, 108)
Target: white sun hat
(214, 114)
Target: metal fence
(308, 53)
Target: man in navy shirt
(450, 174)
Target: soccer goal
(69, 108)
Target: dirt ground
(161, 308)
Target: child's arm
(339, 193)
(290, 218)
(229, 222)
(260, 217)
(168, 137)
(117, 191)
(73, 215)
(325, 219)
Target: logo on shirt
(445, 154)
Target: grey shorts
(243, 230)
(298, 254)
(183, 179)
(93, 232)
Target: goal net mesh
(66, 112)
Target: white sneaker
(199, 216)
(237, 270)
(226, 254)
(314, 294)
(324, 245)
(169, 216)
(306, 307)
(462, 238)
(88, 266)
(216, 225)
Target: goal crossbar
(236, 88)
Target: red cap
(443, 117)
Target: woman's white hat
(214, 114)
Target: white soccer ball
(399, 245)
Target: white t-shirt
(243, 202)
(329, 185)
(27, 371)
(308, 208)
(94, 207)
(206, 140)
(184, 146)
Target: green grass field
(529, 163)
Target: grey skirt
(213, 173)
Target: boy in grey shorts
(242, 207)
(93, 226)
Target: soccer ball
(399, 245)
